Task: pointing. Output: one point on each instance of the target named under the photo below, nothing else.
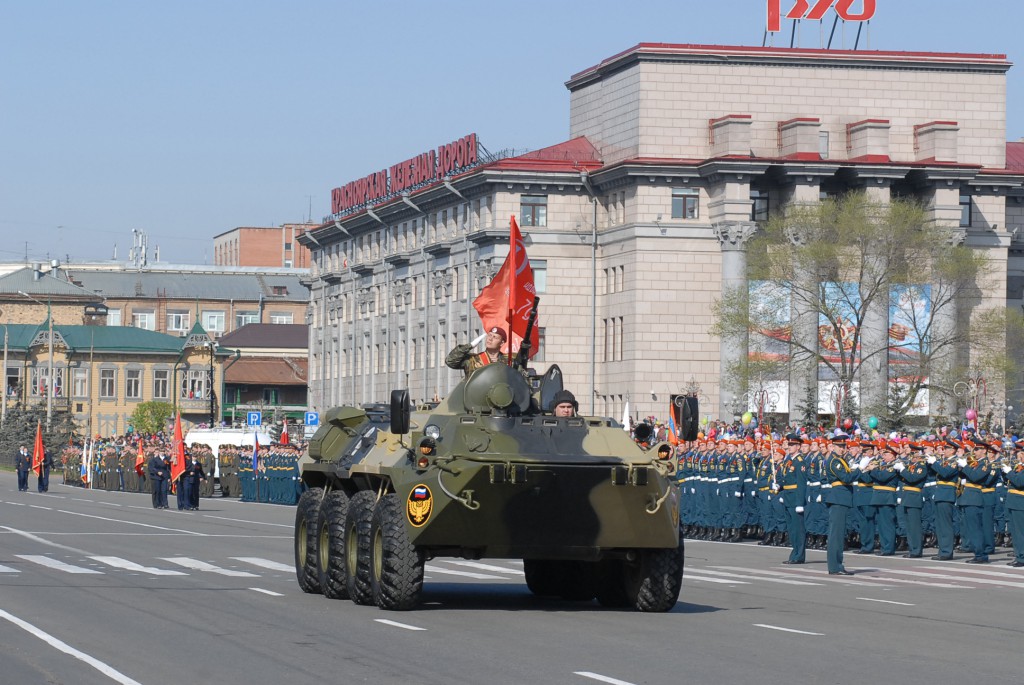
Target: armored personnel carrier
(489, 473)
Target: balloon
(971, 414)
(847, 424)
(757, 434)
(872, 422)
(747, 418)
(706, 419)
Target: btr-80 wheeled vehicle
(488, 473)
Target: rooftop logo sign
(803, 9)
(421, 170)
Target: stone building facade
(639, 222)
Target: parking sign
(312, 418)
(254, 418)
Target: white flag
(625, 418)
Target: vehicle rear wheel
(396, 573)
(357, 547)
(578, 580)
(306, 514)
(331, 568)
(654, 580)
(611, 584)
(543, 577)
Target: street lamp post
(972, 389)
(3, 414)
(210, 389)
(49, 369)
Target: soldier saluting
(463, 357)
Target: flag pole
(511, 283)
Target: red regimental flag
(178, 457)
(506, 301)
(140, 459)
(37, 451)
(284, 433)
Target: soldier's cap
(950, 442)
(564, 396)
(994, 447)
(840, 439)
(500, 331)
(794, 439)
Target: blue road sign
(254, 418)
(312, 418)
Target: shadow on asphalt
(503, 597)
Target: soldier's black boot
(901, 544)
(736, 536)
(766, 540)
(1008, 540)
(999, 539)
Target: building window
(758, 205)
(178, 321)
(161, 384)
(243, 318)
(287, 246)
(270, 395)
(40, 381)
(133, 384)
(13, 384)
(193, 384)
(540, 274)
(281, 317)
(684, 203)
(113, 317)
(823, 144)
(80, 382)
(213, 322)
(965, 210)
(533, 210)
(108, 389)
(144, 320)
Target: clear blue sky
(186, 119)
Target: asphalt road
(99, 588)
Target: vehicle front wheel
(396, 572)
(654, 580)
(357, 547)
(331, 567)
(306, 515)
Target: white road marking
(265, 563)
(750, 576)
(886, 601)
(197, 565)
(131, 523)
(980, 572)
(466, 574)
(103, 668)
(266, 592)
(794, 573)
(36, 506)
(16, 504)
(118, 562)
(786, 630)
(485, 567)
(8, 569)
(43, 541)
(905, 581)
(601, 678)
(691, 576)
(396, 624)
(56, 565)
(259, 523)
(946, 576)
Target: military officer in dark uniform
(837, 491)
(158, 475)
(944, 497)
(463, 357)
(23, 464)
(193, 477)
(974, 470)
(883, 499)
(793, 477)
(44, 471)
(912, 475)
(1013, 475)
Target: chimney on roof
(37, 271)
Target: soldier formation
(838, 492)
(120, 464)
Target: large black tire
(653, 581)
(331, 567)
(357, 547)
(306, 514)
(579, 580)
(543, 577)
(396, 572)
(611, 584)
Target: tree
(152, 417)
(19, 428)
(844, 288)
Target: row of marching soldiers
(118, 465)
(838, 492)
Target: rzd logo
(801, 7)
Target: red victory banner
(508, 298)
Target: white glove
(961, 462)
(479, 339)
(898, 466)
(818, 498)
(1007, 468)
(799, 510)
(774, 488)
(864, 461)
(930, 459)
(899, 500)
(739, 494)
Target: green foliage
(19, 428)
(152, 417)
